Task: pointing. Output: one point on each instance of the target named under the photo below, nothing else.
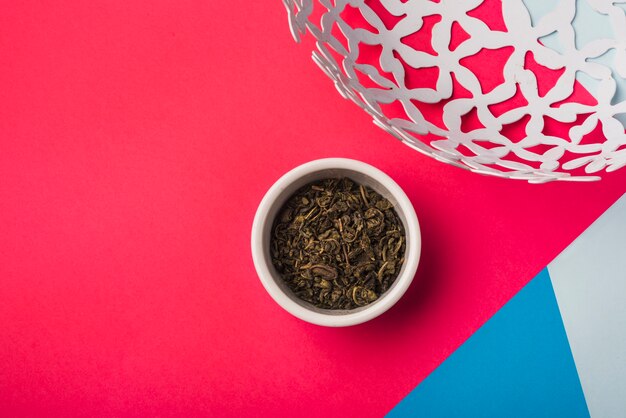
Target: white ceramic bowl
(275, 198)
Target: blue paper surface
(519, 364)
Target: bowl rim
(412, 255)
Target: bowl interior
(289, 190)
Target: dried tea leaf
(338, 244)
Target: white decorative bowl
(520, 89)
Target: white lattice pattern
(538, 156)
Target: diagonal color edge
(589, 280)
(518, 364)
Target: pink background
(136, 140)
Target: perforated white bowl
(279, 193)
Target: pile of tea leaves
(338, 244)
